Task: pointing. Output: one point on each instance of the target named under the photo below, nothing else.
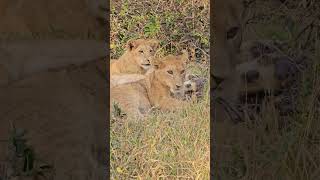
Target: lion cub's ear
(154, 44)
(158, 63)
(132, 44)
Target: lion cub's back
(132, 98)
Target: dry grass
(268, 145)
(177, 24)
(171, 145)
(163, 146)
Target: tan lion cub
(137, 59)
(155, 90)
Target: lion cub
(137, 59)
(155, 90)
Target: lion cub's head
(142, 51)
(228, 38)
(170, 71)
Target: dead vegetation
(165, 145)
(279, 136)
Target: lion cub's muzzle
(146, 64)
(178, 87)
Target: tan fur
(233, 61)
(266, 80)
(271, 66)
(137, 59)
(228, 37)
(224, 80)
(116, 80)
(155, 90)
(226, 49)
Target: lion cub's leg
(171, 104)
(116, 80)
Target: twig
(204, 52)
(304, 29)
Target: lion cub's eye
(141, 51)
(182, 72)
(151, 50)
(232, 32)
(170, 72)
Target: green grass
(164, 145)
